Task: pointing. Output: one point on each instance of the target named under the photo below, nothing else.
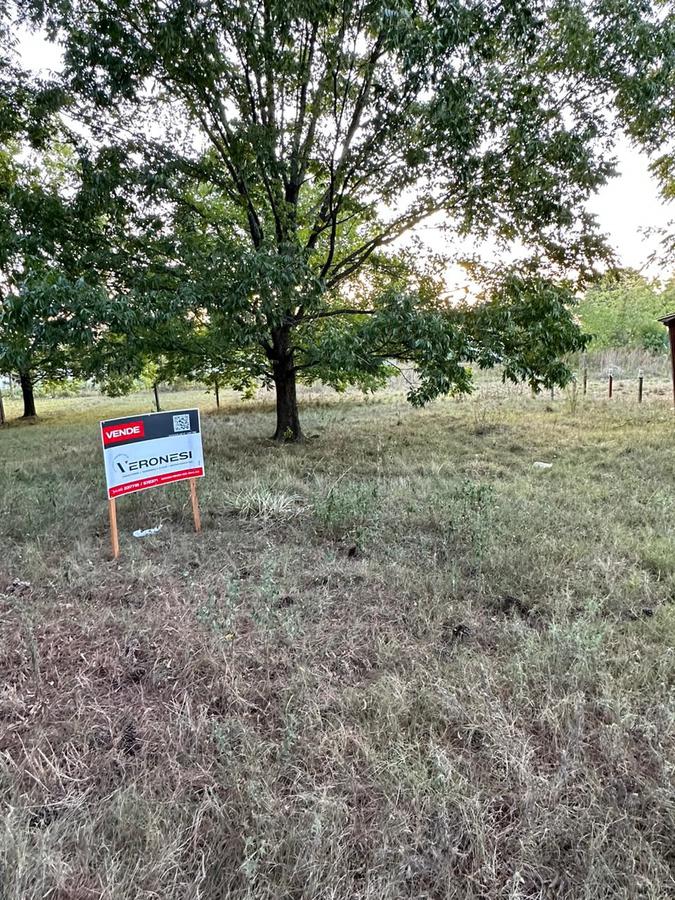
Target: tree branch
(347, 311)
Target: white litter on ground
(140, 532)
(542, 465)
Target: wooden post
(156, 396)
(2, 410)
(114, 537)
(585, 380)
(217, 394)
(641, 380)
(195, 504)
(611, 385)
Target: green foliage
(294, 143)
(65, 387)
(51, 303)
(470, 516)
(306, 138)
(349, 511)
(623, 311)
(45, 324)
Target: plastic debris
(18, 586)
(140, 532)
(542, 465)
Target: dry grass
(398, 663)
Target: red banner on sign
(127, 432)
(142, 483)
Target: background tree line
(623, 309)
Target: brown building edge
(669, 322)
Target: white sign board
(146, 451)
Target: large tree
(52, 227)
(51, 306)
(318, 133)
(41, 337)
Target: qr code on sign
(181, 423)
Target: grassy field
(399, 662)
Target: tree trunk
(288, 419)
(28, 396)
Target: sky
(626, 205)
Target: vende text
(114, 433)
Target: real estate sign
(142, 452)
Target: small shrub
(348, 510)
(470, 515)
(259, 501)
(572, 396)
(483, 414)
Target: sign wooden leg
(114, 537)
(195, 504)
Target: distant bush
(120, 385)
(67, 387)
(624, 312)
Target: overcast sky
(626, 205)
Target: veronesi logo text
(125, 465)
